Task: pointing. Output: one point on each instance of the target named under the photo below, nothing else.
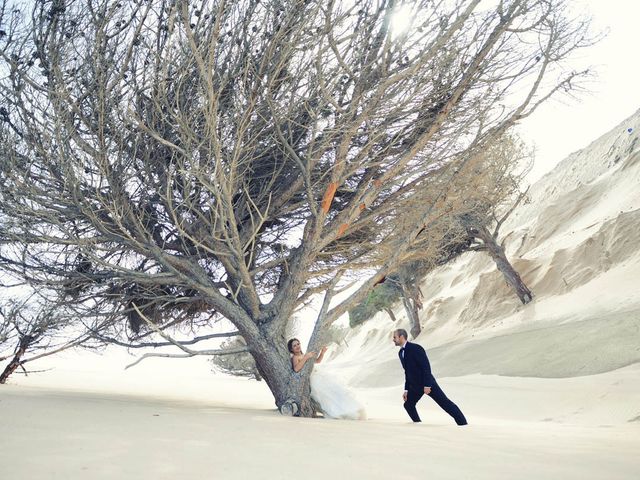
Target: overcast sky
(562, 127)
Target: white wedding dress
(333, 397)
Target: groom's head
(399, 337)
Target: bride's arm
(298, 362)
(321, 356)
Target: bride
(334, 399)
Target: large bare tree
(171, 162)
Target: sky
(563, 126)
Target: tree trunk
(412, 301)
(291, 390)
(412, 314)
(391, 314)
(510, 274)
(13, 364)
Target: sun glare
(401, 19)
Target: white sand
(551, 389)
(49, 434)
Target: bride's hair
(290, 342)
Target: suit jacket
(417, 370)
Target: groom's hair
(401, 332)
(290, 342)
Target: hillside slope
(576, 243)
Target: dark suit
(417, 375)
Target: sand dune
(579, 227)
(576, 244)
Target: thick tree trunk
(13, 364)
(291, 390)
(510, 274)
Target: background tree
(240, 365)
(487, 201)
(174, 162)
(381, 297)
(483, 223)
(29, 328)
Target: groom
(419, 380)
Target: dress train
(333, 397)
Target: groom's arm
(406, 379)
(425, 367)
(406, 387)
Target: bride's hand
(321, 355)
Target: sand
(51, 434)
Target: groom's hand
(404, 396)
(427, 390)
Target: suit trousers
(438, 396)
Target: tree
(381, 297)
(240, 365)
(482, 224)
(167, 163)
(498, 171)
(28, 327)
(489, 201)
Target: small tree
(508, 162)
(28, 327)
(381, 297)
(240, 365)
(498, 169)
(172, 162)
